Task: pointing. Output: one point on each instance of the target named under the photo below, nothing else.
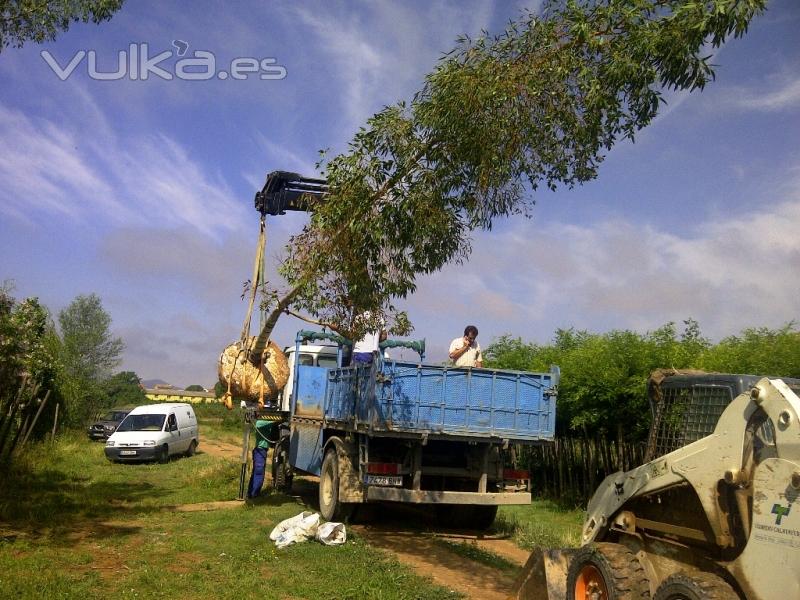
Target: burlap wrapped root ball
(248, 380)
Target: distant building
(168, 393)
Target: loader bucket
(544, 576)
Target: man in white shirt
(466, 351)
(364, 349)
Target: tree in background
(123, 389)
(603, 383)
(89, 353)
(195, 388)
(41, 20)
(498, 118)
(27, 353)
(760, 350)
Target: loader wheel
(695, 586)
(606, 572)
(329, 506)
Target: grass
(542, 524)
(73, 525)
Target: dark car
(107, 424)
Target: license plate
(396, 480)
(127, 452)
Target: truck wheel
(695, 586)
(483, 517)
(456, 516)
(329, 506)
(163, 456)
(282, 472)
(606, 572)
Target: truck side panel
(399, 396)
(466, 401)
(309, 397)
(305, 449)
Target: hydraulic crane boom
(288, 191)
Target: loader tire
(695, 586)
(606, 572)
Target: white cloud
(380, 52)
(527, 280)
(783, 97)
(84, 172)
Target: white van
(154, 431)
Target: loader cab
(686, 406)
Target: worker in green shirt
(263, 434)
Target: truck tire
(456, 516)
(282, 472)
(606, 572)
(163, 455)
(329, 506)
(484, 516)
(695, 586)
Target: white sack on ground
(332, 534)
(295, 529)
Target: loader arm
(702, 464)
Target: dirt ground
(413, 538)
(411, 534)
(427, 557)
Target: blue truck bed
(404, 397)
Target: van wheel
(163, 456)
(329, 506)
(191, 449)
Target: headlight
(110, 443)
(149, 443)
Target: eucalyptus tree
(41, 20)
(498, 118)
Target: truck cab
(314, 355)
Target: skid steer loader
(714, 513)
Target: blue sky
(142, 191)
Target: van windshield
(142, 423)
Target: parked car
(154, 431)
(107, 424)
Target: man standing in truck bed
(466, 351)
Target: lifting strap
(244, 338)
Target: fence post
(55, 422)
(35, 418)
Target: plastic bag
(295, 529)
(332, 534)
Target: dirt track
(411, 535)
